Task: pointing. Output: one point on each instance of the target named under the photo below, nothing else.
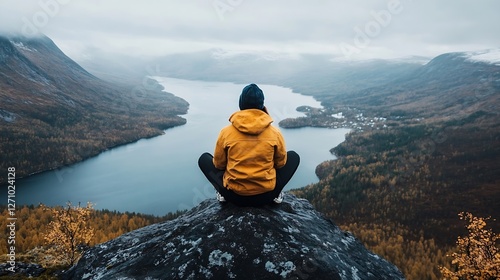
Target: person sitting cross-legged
(250, 165)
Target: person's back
(250, 165)
(250, 150)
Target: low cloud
(354, 29)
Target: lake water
(160, 175)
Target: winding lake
(160, 175)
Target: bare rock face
(20, 269)
(223, 241)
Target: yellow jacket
(249, 150)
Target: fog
(349, 30)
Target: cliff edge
(222, 241)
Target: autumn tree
(69, 232)
(478, 255)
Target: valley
(425, 146)
(55, 113)
(425, 143)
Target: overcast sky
(345, 29)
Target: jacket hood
(251, 121)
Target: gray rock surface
(223, 241)
(27, 270)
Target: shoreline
(63, 169)
(95, 155)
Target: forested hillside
(31, 231)
(400, 189)
(54, 113)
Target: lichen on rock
(222, 241)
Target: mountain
(401, 185)
(448, 82)
(450, 85)
(222, 241)
(443, 137)
(310, 74)
(447, 86)
(53, 112)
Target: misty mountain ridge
(53, 112)
(450, 84)
(231, 65)
(25, 69)
(237, 66)
(389, 86)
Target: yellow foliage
(69, 232)
(34, 224)
(478, 255)
(418, 258)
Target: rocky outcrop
(21, 269)
(222, 241)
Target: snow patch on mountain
(489, 56)
(22, 46)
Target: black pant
(283, 175)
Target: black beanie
(251, 97)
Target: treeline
(34, 146)
(65, 129)
(418, 258)
(33, 221)
(400, 190)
